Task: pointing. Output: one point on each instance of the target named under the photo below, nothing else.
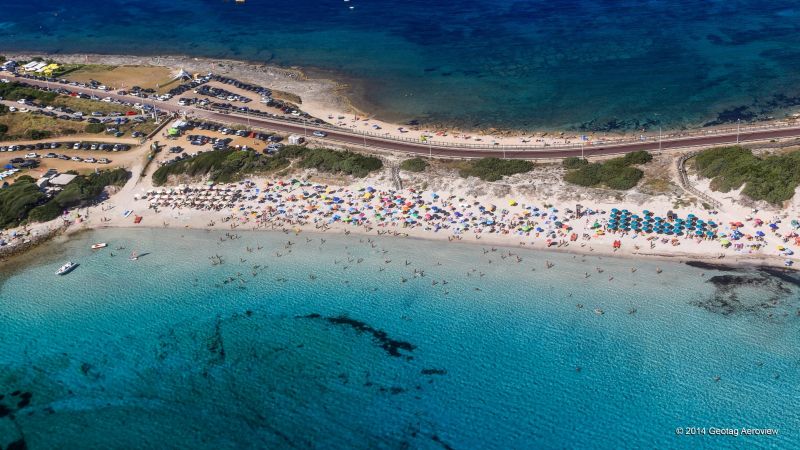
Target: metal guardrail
(666, 138)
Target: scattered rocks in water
(394, 390)
(21, 398)
(89, 371)
(787, 276)
(728, 298)
(19, 444)
(391, 346)
(732, 115)
(711, 266)
(433, 372)
(25, 400)
(215, 345)
(438, 440)
(735, 281)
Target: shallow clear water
(320, 348)
(585, 64)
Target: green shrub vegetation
(3, 130)
(615, 173)
(221, 165)
(3, 109)
(15, 91)
(333, 161)
(26, 178)
(78, 192)
(414, 165)
(229, 165)
(772, 178)
(37, 134)
(95, 128)
(17, 200)
(494, 169)
(573, 162)
(640, 157)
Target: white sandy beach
(513, 200)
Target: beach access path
(380, 143)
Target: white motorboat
(66, 268)
(99, 245)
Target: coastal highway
(452, 151)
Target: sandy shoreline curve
(325, 98)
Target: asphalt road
(377, 143)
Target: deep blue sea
(535, 64)
(387, 344)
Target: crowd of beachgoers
(293, 205)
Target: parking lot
(35, 159)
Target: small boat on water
(66, 268)
(599, 312)
(99, 245)
(134, 256)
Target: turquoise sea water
(326, 346)
(574, 64)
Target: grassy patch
(658, 185)
(287, 96)
(15, 91)
(95, 128)
(119, 76)
(494, 169)
(87, 106)
(27, 126)
(773, 178)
